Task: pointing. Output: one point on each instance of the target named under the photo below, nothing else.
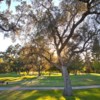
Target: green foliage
(96, 49)
(96, 55)
(76, 64)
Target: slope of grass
(89, 94)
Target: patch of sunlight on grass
(90, 80)
(10, 78)
(88, 94)
(77, 98)
(95, 74)
(23, 73)
(52, 74)
(12, 95)
(27, 94)
(81, 93)
(28, 77)
(15, 79)
(30, 83)
(58, 74)
(33, 82)
(62, 98)
(47, 98)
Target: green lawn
(89, 94)
(54, 80)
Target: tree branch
(72, 30)
(81, 50)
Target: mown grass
(53, 80)
(88, 94)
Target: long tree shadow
(48, 95)
(34, 95)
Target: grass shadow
(88, 94)
(33, 95)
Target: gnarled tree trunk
(67, 83)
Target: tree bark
(67, 83)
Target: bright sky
(6, 42)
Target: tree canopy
(66, 29)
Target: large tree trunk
(67, 83)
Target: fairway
(49, 81)
(88, 94)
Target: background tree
(96, 65)
(9, 57)
(96, 55)
(76, 64)
(33, 51)
(87, 62)
(96, 49)
(5, 65)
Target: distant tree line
(28, 59)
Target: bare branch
(84, 46)
(72, 30)
(68, 24)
